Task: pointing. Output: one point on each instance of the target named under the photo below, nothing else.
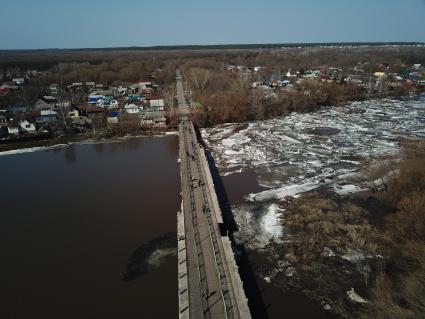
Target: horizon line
(228, 45)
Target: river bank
(90, 138)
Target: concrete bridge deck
(209, 282)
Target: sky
(40, 24)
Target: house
(48, 102)
(33, 73)
(95, 98)
(82, 111)
(72, 114)
(94, 110)
(405, 73)
(49, 99)
(134, 98)
(312, 74)
(26, 127)
(121, 91)
(110, 103)
(13, 130)
(147, 91)
(160, 121)
(112, 117)
(96, 115)
(157, 104)
(40, 104)
(132, 108)
(275, 83)
(145, 83)
(54, 88)
(17, 108)
(10, 85)
(18, 81)
(153, 118)
(107, 93)
(379, 74)
(75, 87)
(46, 116)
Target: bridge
(209, 282)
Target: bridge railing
(227, 302)
(200, 257)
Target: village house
(17, 108)
(90, 85)
(24, 127)
(41, 104)
(13, 130)
(19, 81)
(112, 117)
(44, 117)
(157, 104)
(132, 108)
(54, 88)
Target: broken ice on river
(296, 153)
(303, 151)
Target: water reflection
(69, 153)
(99, 148)
(134, 144)
(131, 144)
(173, 148)
(56, 150)
(150, 256)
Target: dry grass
(399, 290)
(320, 222)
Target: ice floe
(301, 152)
(296, 153)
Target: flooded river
(70, 219)
(266, 300)
(265, 163)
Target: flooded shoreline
(275, 302)
(40, 145)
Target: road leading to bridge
(209, 282)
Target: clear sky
(33, 24)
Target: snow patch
(347, 189)
(271, 222)
(281, 193)
(32, 149)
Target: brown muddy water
(70, 219)
(72, 216)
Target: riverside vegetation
(384, 231)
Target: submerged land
(320, 148)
